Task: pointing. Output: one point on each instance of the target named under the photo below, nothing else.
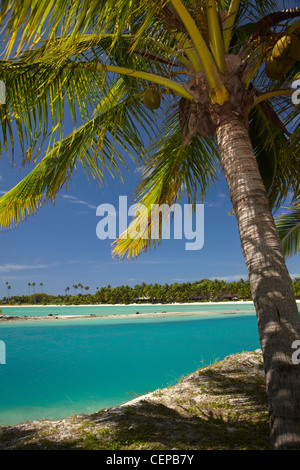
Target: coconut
(287, 49)
(152, 99)
(295, 49)
(276, 69)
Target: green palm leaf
(171, 172)
(96, 146)
(67, 64)
(288, 226)
(278, 161)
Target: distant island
(204, 290)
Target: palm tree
(81, 287)
(8, 288)
(221, 76)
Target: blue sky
(59, 246)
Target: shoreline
(232, 302)
(15, 318)
(53, 316)
(175, 417)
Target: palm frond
(172, 171)
(84, 44)
(101, 146)
(39, 82)
(277, 160)
(26, 23)
(288, 226)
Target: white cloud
(139, 170)
(75, 200)
(221, 198)
(212, 204)
(20, 267)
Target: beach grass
(220, 407)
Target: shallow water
(56, 369)
(125, 309)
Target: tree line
(200, 291)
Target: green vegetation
(200, 291)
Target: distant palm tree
(8, 287)
(33, 285)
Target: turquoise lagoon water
(56, 369)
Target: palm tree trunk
(277, 314)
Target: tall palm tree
(221, 74)
(81, 287)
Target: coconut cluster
(202, 116)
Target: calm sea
(56, 369)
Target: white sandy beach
(163, 314)
(134, 304)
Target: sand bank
(137, 314)
(53, 317)
(236, 302)
(162, 314)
